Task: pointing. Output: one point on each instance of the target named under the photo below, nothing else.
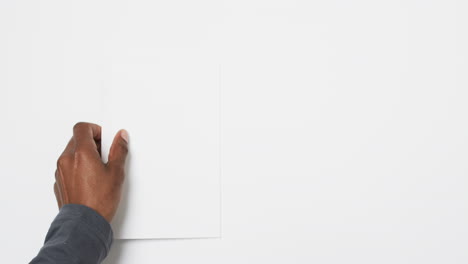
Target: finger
(119, 150)
(87, 136)
(98, 146)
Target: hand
(81, 176)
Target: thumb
(118, 150)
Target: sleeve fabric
(78, 235)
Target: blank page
(148, 66)
(170, 106)
(161, 83)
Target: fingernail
(124, 135)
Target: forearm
(77, 235)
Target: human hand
(81, 176)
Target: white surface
(170, 105)
(125, 70)
(163, 87)
(344, 137)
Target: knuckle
(80, 153)
(63, 161)
(85, 125)
(80, 125)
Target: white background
(344, 134)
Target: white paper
(170, 107)
(149, 67)
(161, 83)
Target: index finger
(87, 136)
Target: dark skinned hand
(81, 176)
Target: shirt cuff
(95, 222)
(85, 232)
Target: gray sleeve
(78, 235)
